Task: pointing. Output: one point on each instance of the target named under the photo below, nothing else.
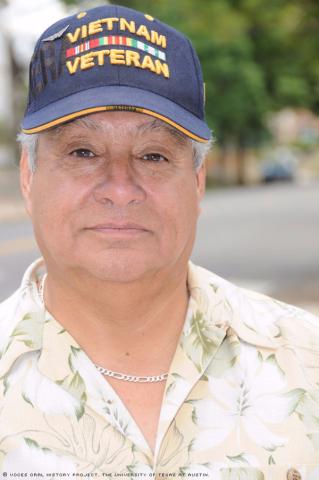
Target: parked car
(281, 166)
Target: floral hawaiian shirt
(241, 400)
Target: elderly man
(119, 357)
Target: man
(119, 357)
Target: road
(264, 238)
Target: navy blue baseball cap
(115, 58)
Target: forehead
(120, 124)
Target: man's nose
(119, 186)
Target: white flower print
(240, 467)
(30, 458)
(246, 398)
(259, 313)
(40, 391)
(102, 398)
(177, 389)
(6, 327)
(141, 470)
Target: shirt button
(293, 474)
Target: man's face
(115, 195)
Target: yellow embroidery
(73, 37)
(117, 57)
(100, 54)
(160, 40)
(95, 27)
(162, 68)
(125, 25)
(132, 58)
(148, 63)
(108, 23)
(84, 31)
(143, 32)
(73, 66)
(87, 61)
(81, 15)
(149, 17)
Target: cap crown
(112, 46)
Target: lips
(119, 231)
(117, 226)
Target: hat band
(105, 108)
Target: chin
(121, 267)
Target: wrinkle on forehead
(148, 126)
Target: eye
(82, 153)
(154, 157)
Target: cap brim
(116, 98)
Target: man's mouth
(119, 228)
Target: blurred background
(260, 219)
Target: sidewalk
(11, 202)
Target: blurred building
(290, 126)
(21, 23)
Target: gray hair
(29, 142)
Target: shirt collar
(253, 317)
(215, 304)
(23, 315)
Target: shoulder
(23, 301)
(276, 331)
(254, 312)
(10, 310)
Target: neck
(122, 324)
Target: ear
(201, 181)
(26, 177)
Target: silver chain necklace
(109, 373)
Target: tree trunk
(240, 164)
(221, 165)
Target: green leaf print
(308, 412)
(214, 287)
(29, 330)
(249, 473)
(172, 447)
(225, 357)
(271, 460)
(113, 413)
(75, 385)
(26, 399)
(6, 384)
(314, 438)
(31, 443)
(201, 340)
(238, 459)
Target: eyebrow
(160, 125)
(153, 125)
(84, 122)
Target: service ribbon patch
(88, 54)
(115, 40)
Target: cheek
(56, 206)
(178, 209)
